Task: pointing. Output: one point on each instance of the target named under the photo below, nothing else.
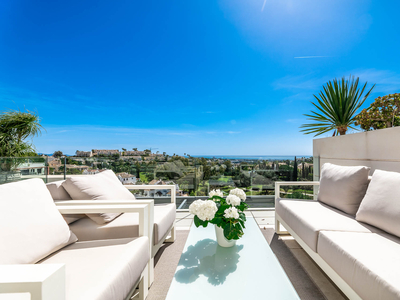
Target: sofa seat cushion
(126, 225)
(102, 186)
(103, 269)
(308, 217)
(58, 193)
(31, 226)
(368, 262)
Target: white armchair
(47, 281)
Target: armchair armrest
(278, 185)
(155, 187)
(43, 282)
(145, 210)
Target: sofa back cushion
(31, 227)
(343, 187)
(102, 186)
(381, 204)
(58, 193)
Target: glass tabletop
(249, 269)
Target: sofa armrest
(278, 185)
(43, 282)
(155, 187)
(145, 210)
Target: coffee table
(248, 270)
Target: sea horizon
(254, 157)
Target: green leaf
(198, 222)
(336, 106)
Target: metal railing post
(65, 167)
(47, 168)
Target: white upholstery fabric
(30, 225)
(126, 225)
(307, 218)
(102, 186)
(59, 193)
(102, 270)
(343, 187)
(381, 204)
(368, 262)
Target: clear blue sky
(199, 77)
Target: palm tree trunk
(342, 130)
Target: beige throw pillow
(102, 186)
(31, 227)
(58, 193)
(381, 204)
(343, 187)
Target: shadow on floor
(301, 281)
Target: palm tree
(337, 106)
(15, 127)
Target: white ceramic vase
(221, 239)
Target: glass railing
(193, 177)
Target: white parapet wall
(378, 149)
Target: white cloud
(386, 81)
(262, 8)
(125, 131)
(298, 82)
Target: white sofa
(41, 256)
(118, 225)
(359, 251)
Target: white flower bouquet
(227, 213)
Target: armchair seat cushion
(368, 262)
(103, 269)
(126, 225)
(307, 218)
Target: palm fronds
(336, 107)
(15, 127)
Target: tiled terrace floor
(265, 220)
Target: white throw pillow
(31, 227)
(343, 187)
(58, 193)
(381, 204)
(102, 186)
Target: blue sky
(222, 77)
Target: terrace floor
(292, 257)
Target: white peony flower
(216, 193)
(206, 211)
(231, 213)
(233, 200)
(238, 192)
(194, 207)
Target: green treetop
(384, 112)
(15, 128)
